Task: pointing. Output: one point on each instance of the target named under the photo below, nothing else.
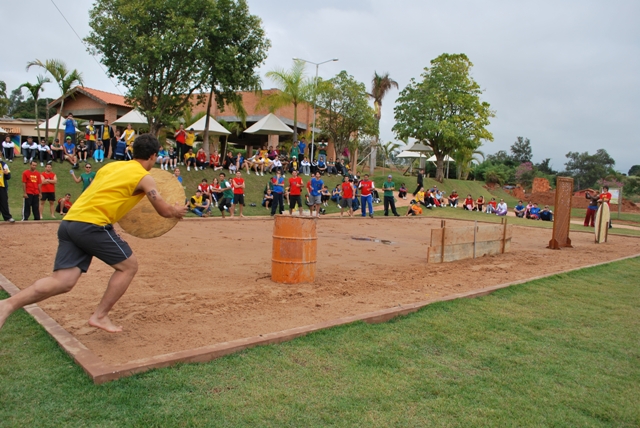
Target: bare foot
(104, 323)
(242, 215)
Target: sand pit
(208, 281)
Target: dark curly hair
(144, 146)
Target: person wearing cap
(70, 152)
(388, 187)
(70, 126)
(57, 151)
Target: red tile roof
(100, 96)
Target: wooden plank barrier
(449, 244)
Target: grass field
(561, 351)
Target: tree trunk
(205, 138)
(354, 162)
(373, 155)
(439, 168)
(37, 125)
(295, 122)
(60, 116)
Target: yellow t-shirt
(190, 139)
(128, 136)
(197, 199)
(91, 130)
(420, 196)
(111, 194)
(3, 170)
(189, 156)
(105, 134)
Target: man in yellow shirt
(190, 139)
(87, 232)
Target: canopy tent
(134, 117)
(53, 122)
(269, 125)
(408, 154)
(214, 127)
(419, 147)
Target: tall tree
(464, 158)
(166, 69)
(381, 84)
(4, 100)
(444, 109)
(587, 169)
(521, 151)
(35, 89)
(65, 78)
(234, 50)
(344, 112)
(295, 88)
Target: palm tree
(294, 87)
(464, 159)
(388, 151)
(381, 84)
(65, 79)
(35, 89)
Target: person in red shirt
(366, 199)
(201, 159)
(237, 183)
(468, 203)
(181, 138)
(64, 204)
(295, 190)
(31, 182)
(49, 180)
(347, 191)
(214, 161)
(605, 196)
(491, 206)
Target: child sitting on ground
(546, 214)
(402, 193)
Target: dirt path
(208, 281)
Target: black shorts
(79, 242)
(238, 199)
(48, 196)
(225, 202)
(295, 200)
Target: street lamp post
(315, 88)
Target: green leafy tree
(389, 152)
(545, 167)
(65, 78)
(164, 51)
(444, 109)
(634, 170)
(234, 49)
(344, 112)
(521, 151)
(295, 88)
(35, 89)
(381, 84)
(4, 100)
(465, 157)
(587, 169)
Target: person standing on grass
(49, 180)
(31, 182)
(227, 195)
(315, 194)
(108, 139)
(5, 174)
(86, 178)
(277, 187)
(295, 191)
(238, 192)
(420, 181)
(366, 186)
(347, 192)
(87, 232)
(389, 186)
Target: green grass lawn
(561, 351)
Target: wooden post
(504, 235)
(475, 234)
(444, 229)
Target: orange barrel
(295, 248)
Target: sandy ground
(208, 281)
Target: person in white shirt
(305, 165)
(44, 152)
(7, 149)
(26, 150)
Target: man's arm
(148, 186)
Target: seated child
(468, 204)
(519, 209)
(502, 208)
(453, 199)
(534, 212)
(402, 192)
(414, 209)
(491, 206)
(546, 214)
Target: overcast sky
(565, 74)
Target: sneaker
(41, 164)
(371, 215)
(188, 168)
(339, 207)
(224, 207)
(11, 220)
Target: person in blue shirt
(277, 187)
(534, 212)
(302, 145)
(315, 198)
(70, 152)
(70, 126)
(519, 209)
